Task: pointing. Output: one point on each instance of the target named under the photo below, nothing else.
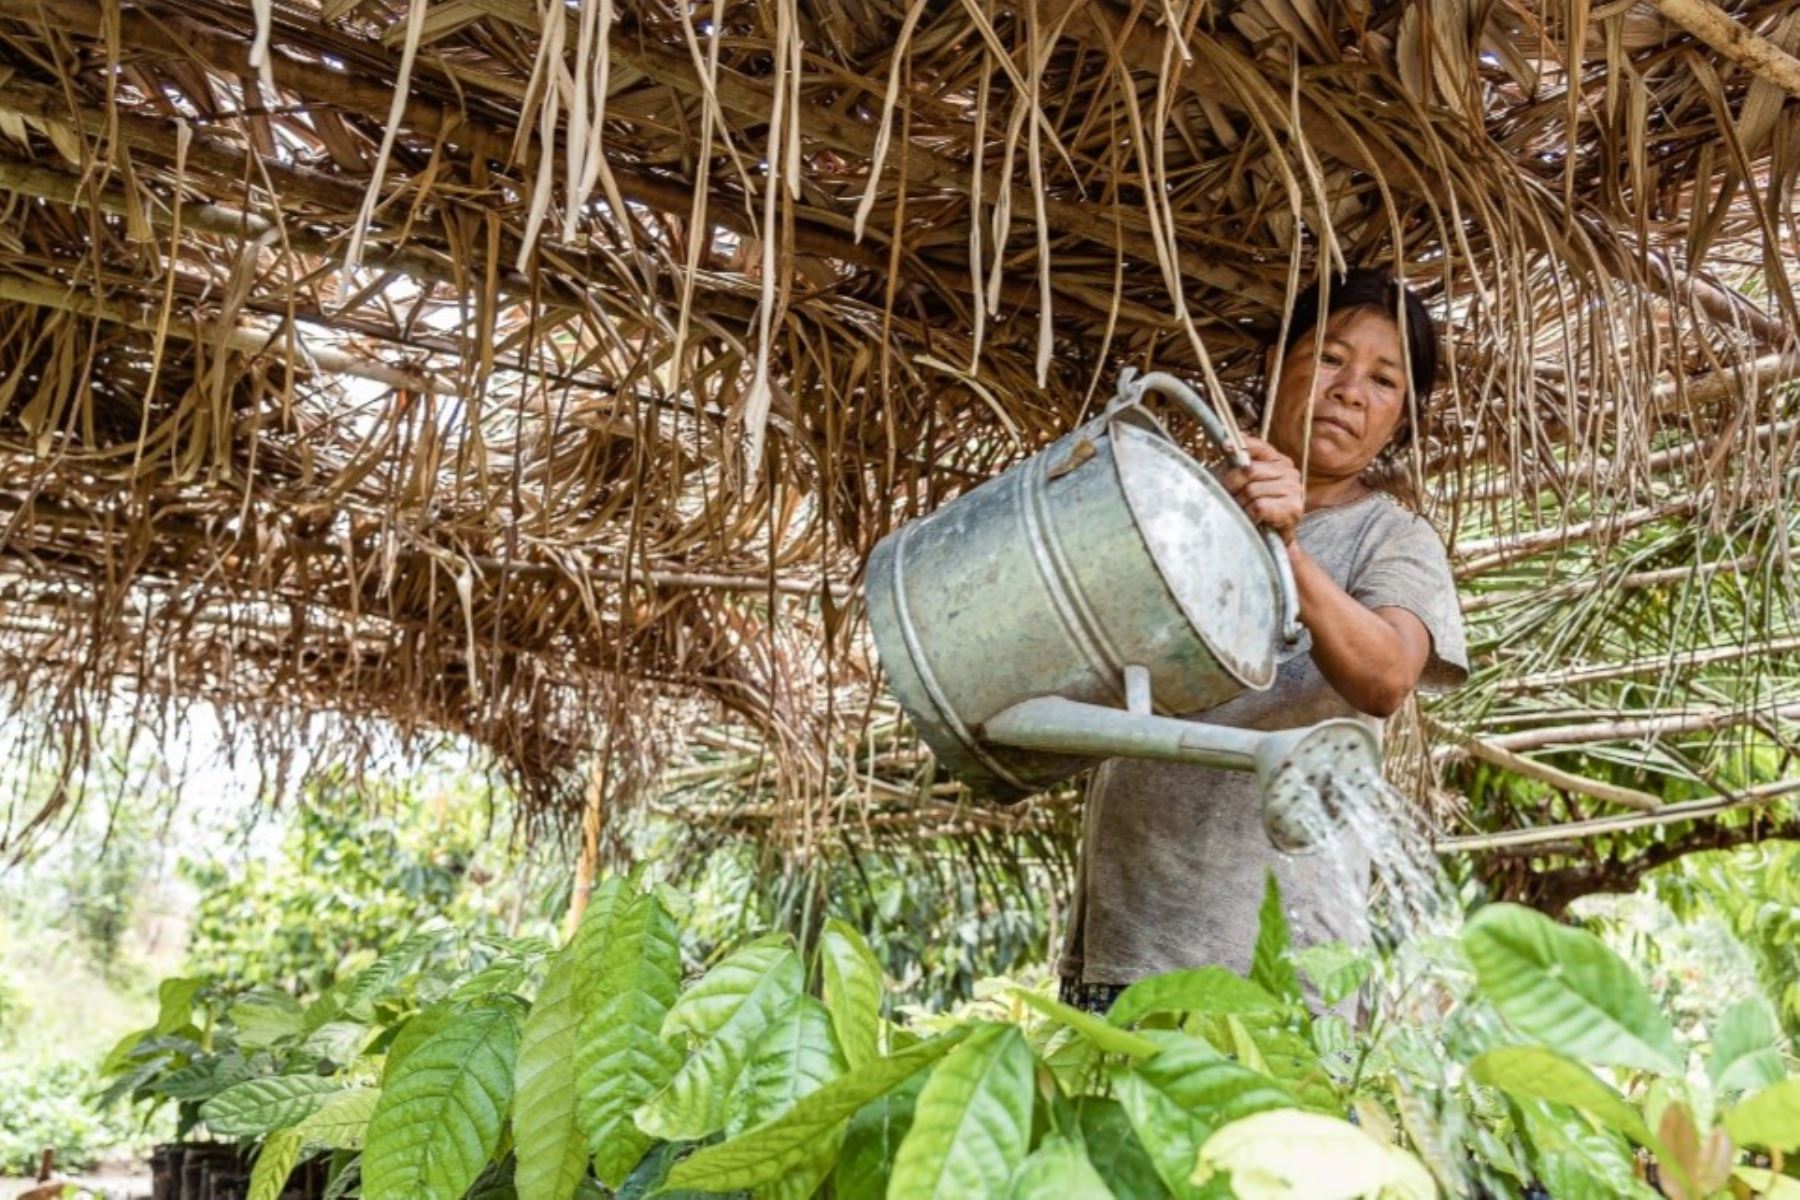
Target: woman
(1174, 857)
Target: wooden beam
(1668, 814)
(173, 34)
(1627, 729)
(1634, 581)
(246, 339)
(1771, 370)
(1557, 478)
(1742, 46)
(1489, 554)
(1544, 773)
(205, 154)
(38, 510)
(1604, 672)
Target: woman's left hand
(1270, 489)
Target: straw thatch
(543, 372)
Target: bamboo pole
(1627, 729)
(1607, 671)
(246, 339)
(175, 35)
(1553, 477)
(1726, 306)
(34, 179)
(1740, 45)
(204, 155)
(1693, 810)
(1634, 581)
(1478, 557)
(1597, 789)
(1771, 370)
(588, 862)
(42, 510)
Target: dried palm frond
(550, 384)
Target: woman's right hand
(1269, 489)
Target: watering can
(1063, 611)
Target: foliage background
(299, 897)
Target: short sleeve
(1408, 568)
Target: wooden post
(588, 861)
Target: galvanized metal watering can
(1062, 610)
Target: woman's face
(1359, 394)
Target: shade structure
(541, 371)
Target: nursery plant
(1528, 1060)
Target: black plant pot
(165, 1171)
(226, 1183)
(199, 1160)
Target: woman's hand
(1270, 489)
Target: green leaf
(499, 977)
(629, 984)
(264, 1018)
(175, 1004)
(1176, 1100)
(1577, 1161)
(853, 990)
(1294, 1155)
(1270, 966)
(324, 1007)
(1285, 1055)
(1770, 1118)
(551, 1150)
(1058, 1170)
(337, 1041)
(795, 1056)
(727, 1010)
(1212, 990)
(260, 1105)
(119, 1057)
(1768, 1184)
(204, 1079)
(972, 1124)
(1115, 1150)
(373, 981)
(1109, 1038)
(767, 1152)
(1073, 1060)
(1334, 969)
(871, 1141)
(342, 1121)
(280, 1151)
(1564, 987)
(418, 1029)
(1539, 1073)
(1746, 1048)
(442, 1111)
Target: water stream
(1413, 1006)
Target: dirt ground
(112, 1183)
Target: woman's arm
(1373, 657)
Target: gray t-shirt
(1174, 856)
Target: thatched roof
(418, 363)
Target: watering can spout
(1299, 771)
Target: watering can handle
(1132, 389)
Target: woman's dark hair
(1377, 291)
